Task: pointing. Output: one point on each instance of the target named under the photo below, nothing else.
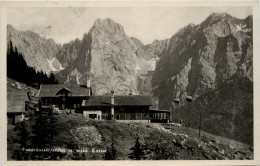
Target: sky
(64, 24)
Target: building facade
(79, 99)
(63, 97)
(127, 108)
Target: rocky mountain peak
(106, 54)
(10, 27)
(137, 41)
(216, 18)
(191, 25)
(250, 17)
(249, 21)
(156, 41)
(222, 15)
(107, 25)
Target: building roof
(133, 100)
(51, 90)
(156, 110)
(34, 99)
(16, 100)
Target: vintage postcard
(130, 82)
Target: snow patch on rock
(152, 63)
(61, 68)
(50, 62)
(241, 27)
(51, 65)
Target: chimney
(88, 83)
(131, 92)
(112, 105)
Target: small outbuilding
(16, 104)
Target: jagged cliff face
(69, 52)
(108, 57)
(38, 52)
(157, 48)
(201, 58)
(151, 53)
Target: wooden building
(127, 108)
(17, 100)
(63, 96)
(78, 98)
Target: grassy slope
(180, 143)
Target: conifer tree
(21, 154)
(137, 151)
(45, 128)
(111, 153)
(17, 69)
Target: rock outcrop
(69, 52)
(108, 57)
(200, 58)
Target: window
(117, 117)
(122, 108)
(164, 115)
(127, 116)
(76, 105)
(93, 116)
(105, 116)
(138, 116)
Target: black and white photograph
(129, 82)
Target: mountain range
(197, 60)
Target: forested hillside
(18, 69)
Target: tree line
(18, 69)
